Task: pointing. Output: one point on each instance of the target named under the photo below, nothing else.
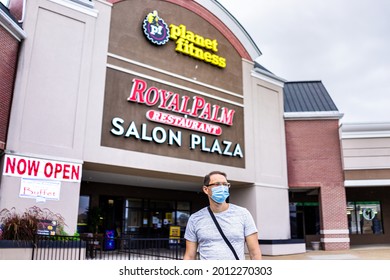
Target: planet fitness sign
(187, 42)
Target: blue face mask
(220, 193)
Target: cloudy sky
(343, 43)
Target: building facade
(366, 154)
(315, 173)
(120, 108)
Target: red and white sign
(28, 167)
(183, 122)
(195, 107)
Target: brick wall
(314, 160)
(8, 58)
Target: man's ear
(205, 189)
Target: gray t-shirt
(236, 223)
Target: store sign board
(29, 167)
(177, 105)
(196, 107)
(197, 115)
(153, 117)
(159, 135)
(47, 227)
(187, 42)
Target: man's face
(215, 180)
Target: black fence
(58, 248)
(101, 248)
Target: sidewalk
(362, 252)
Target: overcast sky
(343, 43)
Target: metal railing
(58, 248)
(100, 248)
(135, 249)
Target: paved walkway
(363, 252)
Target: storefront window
(82, 217)
(182, 214)
(364, 217)
(144, 217)
(133, 215)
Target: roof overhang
(366, 183)
(331, 115)
(365, 130)
(268, 76)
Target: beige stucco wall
(366, 158)
(366, 146)
(267, 195)
(370, 153)
(366, 154)
(58, 68)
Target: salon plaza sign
(181, 112)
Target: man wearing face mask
(236, 223)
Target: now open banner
(29, 167)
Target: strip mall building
(122, 107)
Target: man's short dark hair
(206, 180)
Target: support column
(334, 223)
(270, 209)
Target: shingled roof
(307, 96)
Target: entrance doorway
(304, 219)
(304, 213)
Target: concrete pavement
(362, 252)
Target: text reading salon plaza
(117, 110)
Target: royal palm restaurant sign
(176, 117)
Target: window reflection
(364, 217)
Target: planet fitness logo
(155, 29)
